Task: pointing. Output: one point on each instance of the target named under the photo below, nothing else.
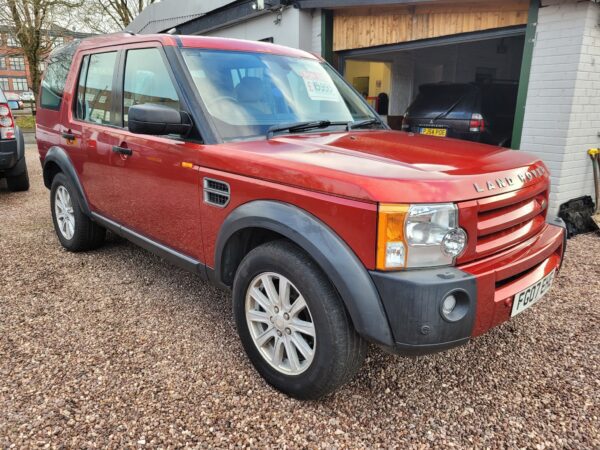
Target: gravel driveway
(118, 348)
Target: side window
(55, 77)
(147, 80)
(95, 88)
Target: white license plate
(532, 294)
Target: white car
(27, 97)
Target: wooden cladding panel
(368, 27)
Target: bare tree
(120, 13)
(33, 22)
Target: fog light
(449, 305)
(454, 242)
(454, 306)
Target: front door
(156, 182)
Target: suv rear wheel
(75, 231)
(292, 323)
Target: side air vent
(216, 192)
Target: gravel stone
(117, 348)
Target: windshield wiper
(302, 126)
(364, 123)
(298, 126)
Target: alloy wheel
(280, 323)
(63, 208)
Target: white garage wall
(562, 114)
(297, 28)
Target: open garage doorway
(455, 66)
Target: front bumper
(9, 154)
(484, 290)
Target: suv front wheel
(76, 232)
(292, 323)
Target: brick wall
(6, 52)
(562, 114)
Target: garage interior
(399, 73)
(395, 49)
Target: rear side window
(147, 80)
(95, 88)
(55, 76)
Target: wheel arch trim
(59, 156)
(20, 143)
(341, 265)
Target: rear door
(90, 121)
(157, 185)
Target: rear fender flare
(59, 156)
(20, 143)
(343, 268)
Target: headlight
(411, 236)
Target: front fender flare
(338, 261)
(60, 157)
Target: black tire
(87, 234)
(339, 351)
(20, 182)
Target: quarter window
(94, 92)
(147, 80)
(55, 76)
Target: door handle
(122, 150)
(68, 136)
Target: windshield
(248, 93)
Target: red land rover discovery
(260, 169)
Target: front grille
(508, 219)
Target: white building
(551, 48)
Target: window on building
(12, 41)
(17, 63)
(20, 84)
(4, 85)
(2, 62)
(94, 92)
(147, 80)
(42, 66)
(53, 83)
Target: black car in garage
(12, 150)
(481, 112)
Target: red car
(260, 169)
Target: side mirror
(151, 118)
